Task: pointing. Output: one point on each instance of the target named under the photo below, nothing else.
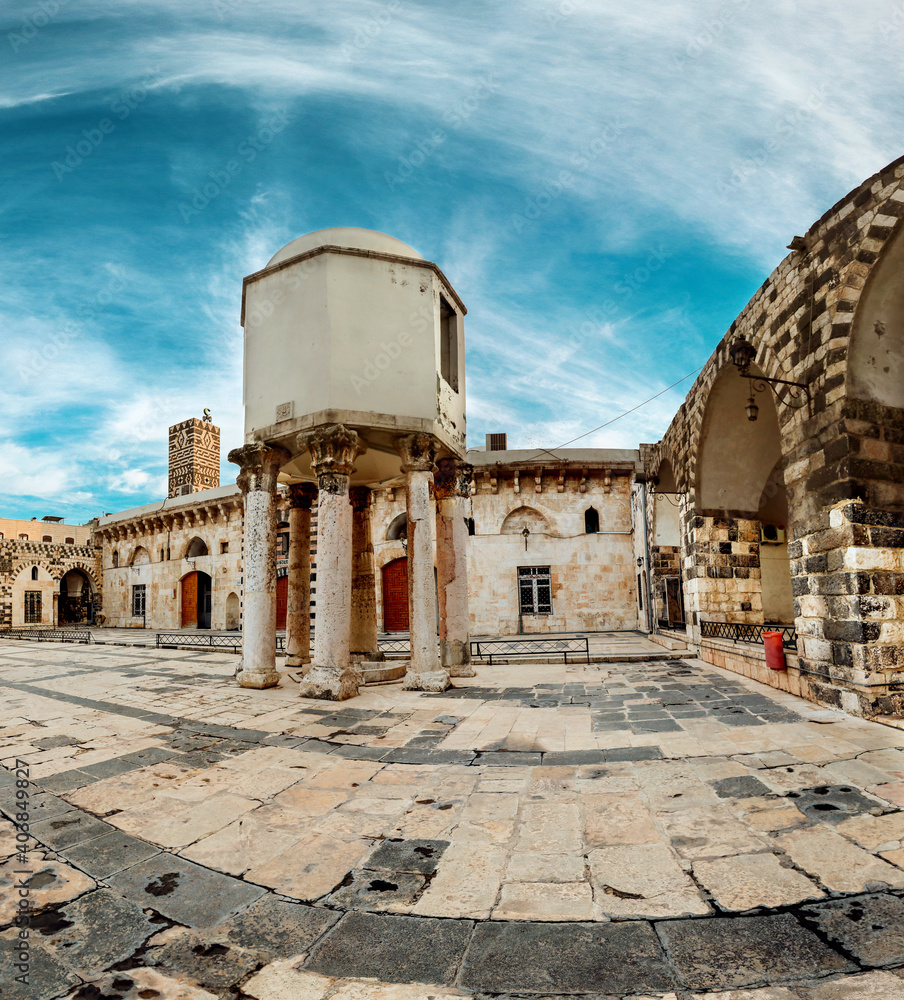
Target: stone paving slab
(522, 957)
(550, 821)
(393, 948)
(184, 891)
(721, 952)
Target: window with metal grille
(139, 599)
(535, 590)
(32, 607)
(497, 442)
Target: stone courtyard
(643, 828)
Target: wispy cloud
(578, 139)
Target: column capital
(359, 496)
(260, 466)
(452, 479)
(302, 496)
(333, 451)
(417, 451)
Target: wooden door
(282, 601)
(395, 596)
(190, 600)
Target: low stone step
(376, 672)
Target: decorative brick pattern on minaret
(194, 456)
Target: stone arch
(735, 456)
(140, 557)
(195, 548)
(77, 597)
(398, 528)
(536, 521)
(233, 612)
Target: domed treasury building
(353, 379)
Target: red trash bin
(775, 652)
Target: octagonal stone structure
(351, 326)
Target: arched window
(24, 536)
(470, 523)
(115, 559)
(398, 528)
(34, 572)
(591, 521)
(196, 547)
(47, 538)
(69, 541)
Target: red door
(395, 596)
(282, 601)
(190, 600)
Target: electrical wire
(547, 451)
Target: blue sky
(604, 184)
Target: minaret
(194, 456)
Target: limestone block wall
(154, 551)
(849, 589)
(722, 569)
(593, 575)
(53, 561)
(829, 316)
(38, 531)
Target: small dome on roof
(345, 236)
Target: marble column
(260, 466)
(425, 672)
(452, 489)
(363, 633)
(298, 608)
(333, 449)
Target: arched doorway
(75, 603)
(196, 600)
(395, 595)
(282, 602)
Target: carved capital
(333, 450)
(302, 496)
(452, 479)
(260, 464)
(359, 496)
(418, 452)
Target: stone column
(298, 610)
(452, 489)
(363, 633)
(333, 449)
(425, 672)
(260, 466)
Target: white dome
(345, 236)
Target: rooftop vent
(497, 442)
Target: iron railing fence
(486, 649)
(741, 632)
(46, 634)
(172, 640)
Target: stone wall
(593, 575)
(831, 316)
(166, 539)
(53, 561)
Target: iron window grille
(32, 607)
(139, 600)
(535, 590)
